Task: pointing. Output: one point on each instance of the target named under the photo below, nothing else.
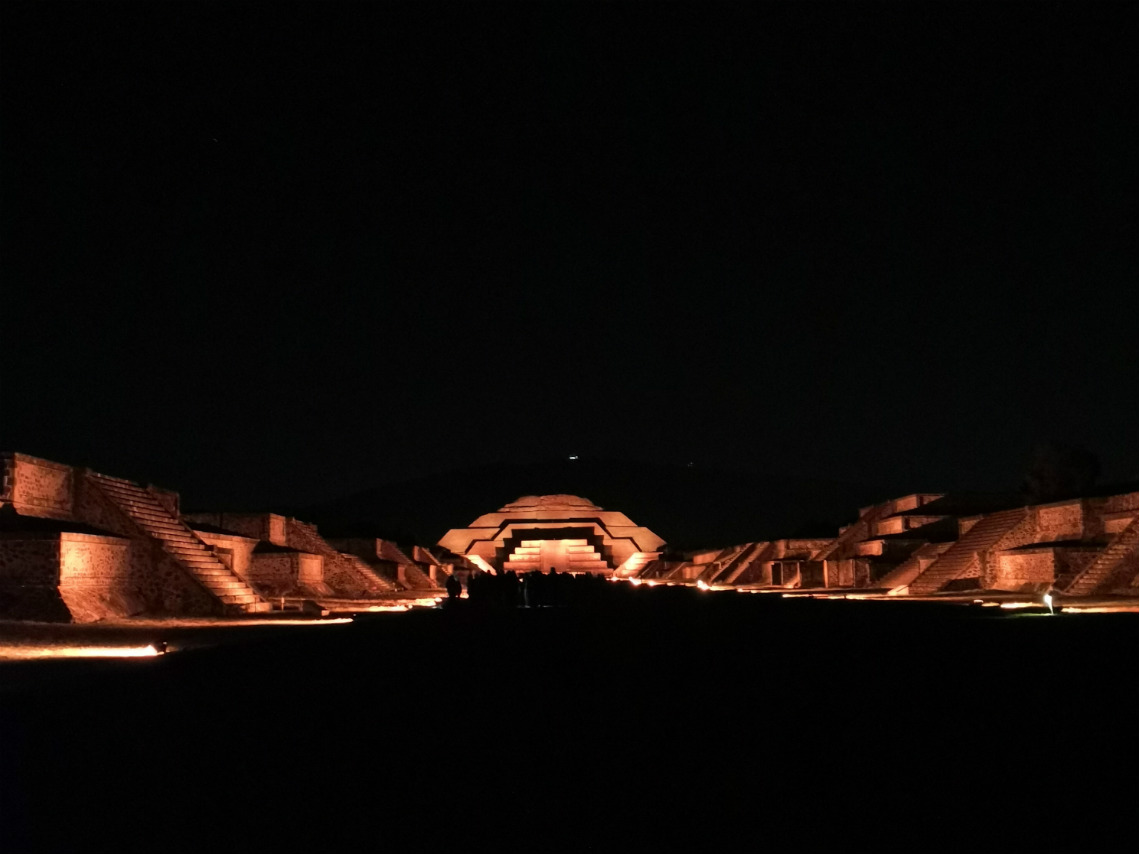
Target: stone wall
(269, 527)
(37, 487)
(1060, 521)
(95, 577)
(66, 576)
(1024, 570)
(236, 552)
(310, 570)
(29, 579)
(29, 561)
(274, 573)
(88, 559)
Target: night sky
(280, 253)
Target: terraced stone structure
(562, 532)
(112, 548)
(930, 543)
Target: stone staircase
(957, 559)
(580, 557)
(1100, 572)
(346, 574)
(749, 571)
(525, 558)
(741, 562)
(180, 543)
(416, 579)
(723, 561)
(920, 559)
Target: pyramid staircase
(742, 562)
(1098, 576)
(957, 559)
(723, 561)
(580, 557)
(416, 579)
(747, 570)
(345, 573)
(636, 563)
(181, 544)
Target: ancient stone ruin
(82, 546)
(561, 532)
(77, 545)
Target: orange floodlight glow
(148, 651)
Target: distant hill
(688, 507)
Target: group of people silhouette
(529, 590)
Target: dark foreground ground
(646, 720)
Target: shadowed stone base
(42, 604)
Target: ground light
(1049, 602)
(29, 651)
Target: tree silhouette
(1058, 471)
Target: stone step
(125, 489)
(139, 508)
(159, 521)
(207, 558)
(208, 567)
(144, 504)
(137, 503)
(237, 609)
(168, 533)
(239, 599)
(202, 558)
(179, 534)
(219, 581)
(232, 590)
(180, 538)
(189, 549)
(183, 541)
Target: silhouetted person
(454, 588)
(511, 589)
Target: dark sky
(277, 253)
